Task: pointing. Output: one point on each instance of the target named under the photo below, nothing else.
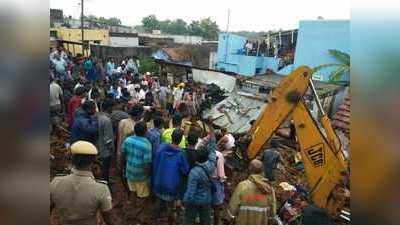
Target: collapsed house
(246, 97)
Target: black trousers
(105, 168)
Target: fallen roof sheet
(240, 110)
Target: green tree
(165, 26)
(210, 29)
(178, 27)
(150, 23)
(114, 21)
(342, 67)
(195, 28)
(147, 64)
(206, 28)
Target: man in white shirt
(55, 100)
(56, 94)
(178, 94)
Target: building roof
(283, 32)
(322, 88)
(119, 34)
(175, 54)
(341, 120)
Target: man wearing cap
(79, 196)
(126, 128)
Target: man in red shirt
(74, 103)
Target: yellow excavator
(319, 146)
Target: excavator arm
(281, 103)
(320, 149)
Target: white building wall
(124, 41)
(186, 39)
(180, 39)
(213, 60)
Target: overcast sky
(250, 15)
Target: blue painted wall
(231, 57)
(315, 38)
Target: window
(258, 70)
(53, 33)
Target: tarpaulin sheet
(222, 80)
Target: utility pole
(227, 25)
(83, 38)
(227, 35)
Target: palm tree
(341, 68)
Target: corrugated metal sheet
(240, 114)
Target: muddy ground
(129, 211)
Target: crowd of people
(152, 132)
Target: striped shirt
(138, 154)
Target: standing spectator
(189, 101)
(164, 92)
(115, 90)
(190, 154)
(218, 179)
(90, 70)
(169, 165)
(136, 157)
(149, 99)
(126, 127)
(135, 95)
(227, 142)
(85, 126)
(178, 95)
(118, 114)
(190, 150)
(74, 103)
(81, 81)
(270, 159)
(253, 201)
(176, 124)
(56, 98)
(154, 134)
(101, 72)
(68, 93)
(198, 196)
(105, 141)
(60, 67)
(110, 66)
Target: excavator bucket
(282, 100)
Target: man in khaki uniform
(253, 201)
(78, 196)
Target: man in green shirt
(167, 134)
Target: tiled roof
(341, 120)
(174, 53)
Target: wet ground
(132, 211)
